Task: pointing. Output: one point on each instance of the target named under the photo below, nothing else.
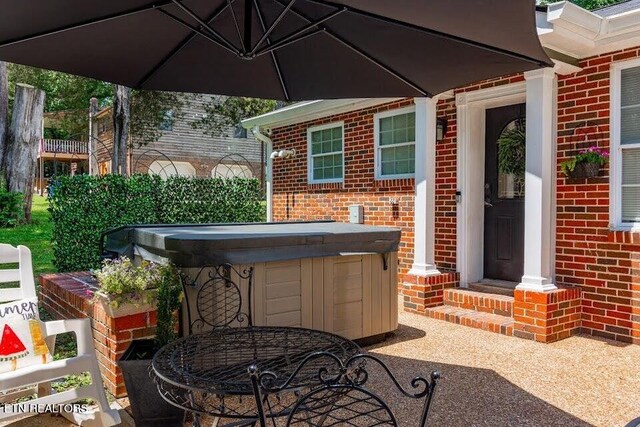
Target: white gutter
(269, 169)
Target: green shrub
(11, 207)
(82, 207)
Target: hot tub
(330, 276)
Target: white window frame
(312, 129)
(615, 160)
(377, 158)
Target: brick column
(547, 316)
(420, 292)
(70, 296)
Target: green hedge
(82, 207)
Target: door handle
(487, 195)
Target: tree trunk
(22, 147)
(4, 111)
(121, 123)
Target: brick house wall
(604, 264)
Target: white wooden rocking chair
(23, 381)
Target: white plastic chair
(13, 384)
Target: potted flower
(586, 164)
(128, 288)
(125, 288)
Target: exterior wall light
(441, 129)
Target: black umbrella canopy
(276, 49)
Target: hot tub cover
(198, 245)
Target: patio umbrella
(277, 49)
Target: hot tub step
(475, 319)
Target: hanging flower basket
(585, 171)
(586, 164)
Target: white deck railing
(64, 146)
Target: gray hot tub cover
(197, 245)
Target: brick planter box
(70, 295)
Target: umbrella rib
(297, 35)
(272, 27)
(235, 21)
(87, 23)
(365, 55)
(437, 33)
(276, 64)
(179, 47)
(208, 27)
(209, 37)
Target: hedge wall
(82, 207)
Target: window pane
(400, 121)
(631, 166)
(388, 168)
(388, 154)
(316, 136)
(630, 86)
(630, 125)
(631, 204)
(336, 133)
(386, 138)
(402, 153)
(318, 173)
(386, 124)
(400, 136)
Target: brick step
(501, 305)
(475, 319)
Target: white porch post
(425, 179)
(540, 181)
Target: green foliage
(587, 4)
(36, 236)
(65, 93)
(124, 282)
(150, 109)
(223, 114)
(512, 152)
(82, 207)
(11, 207)
(188, 200)
(592, 154)
(169, 300)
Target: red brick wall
(602, 262)
(386, 202)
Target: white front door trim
(471, 109)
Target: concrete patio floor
(495, 380)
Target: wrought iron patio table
(207, 373)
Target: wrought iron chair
(342, 398)
(214, 300)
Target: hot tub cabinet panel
(353, 295)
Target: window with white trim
(395, 143)
(326, 156)
(626, 144)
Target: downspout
(269, 172)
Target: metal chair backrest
(214, 298)
(21, 277)
(341, 396)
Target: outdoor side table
(207, 373)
